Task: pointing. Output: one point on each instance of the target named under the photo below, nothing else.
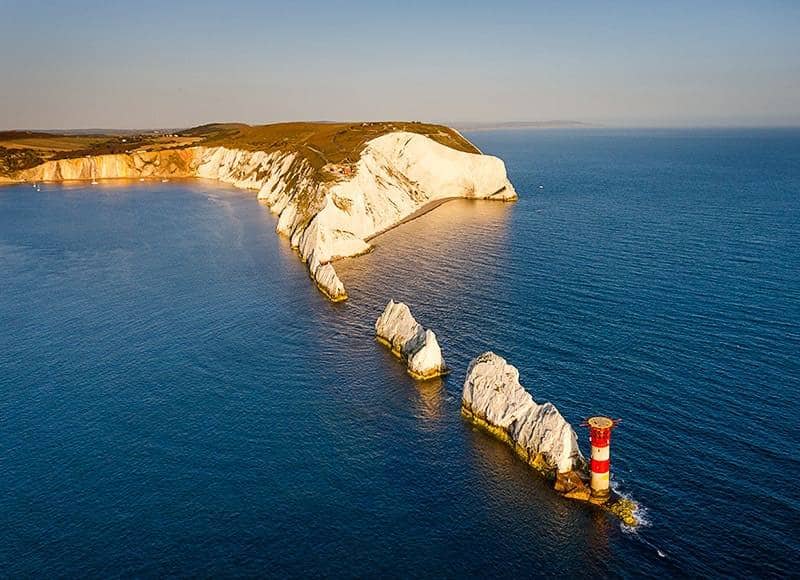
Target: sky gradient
(147, 64)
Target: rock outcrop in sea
(494, 397)
(397, 328)
(395, 175)
(495, 400)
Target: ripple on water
(179, 399)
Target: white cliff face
(409, 340)
(396, 175)
(492, 393)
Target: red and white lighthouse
(600, 438)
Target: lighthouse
(600, 438)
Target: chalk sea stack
(494, 399)
(494, 396)
(398, 329)
(333, 186)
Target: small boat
(141, 179)
(164, 180)
(94, 182)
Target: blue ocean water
(176, 398)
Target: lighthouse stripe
(600, 465)
(600, 437)
(600, 482)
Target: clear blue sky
(145, 63)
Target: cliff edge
(332, 186)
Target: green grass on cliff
(319, 143)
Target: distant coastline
(512, 125)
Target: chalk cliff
(493, 394)
(326, 213)
(410, 341)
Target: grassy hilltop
(320, 143)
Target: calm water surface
(177, 398)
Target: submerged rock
(410, 341)
(494, 397)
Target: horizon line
(459, 125)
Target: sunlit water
(177, 398)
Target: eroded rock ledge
(398, 329)
(326, 212)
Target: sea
(177, 398)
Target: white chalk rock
(329, 283)
(427, 361)
(396, 175)
(492, 392)
(398, 327)
(410, 341)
